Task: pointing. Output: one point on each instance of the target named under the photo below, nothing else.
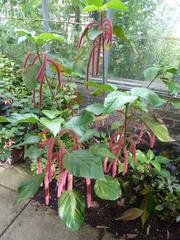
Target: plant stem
(46, 78)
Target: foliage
(64, 144)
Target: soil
(102, 215)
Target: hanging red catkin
(39, 166)
(26, 60)
(83, 34)
(70, 182)
(151, 138)
(88, 189)
(125, 161)
(34, 97)
(57, 70)
(42, 67)
(61, 183)
(74, 136)
(40, 92)
(98, 54)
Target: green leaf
(3, 119)
(28, 141)
(159, 207)
(116, 100)
(148, 205)
(158, 129)
(162, 159)
(101, 150)
(54, 125)
(95, 2)
(51, 114)
(105, 87)
(71, 208)
(176, 103)
(29, 188)
(79, 121)
(29, 75)
(22, 39)
(33, 152)
(118, 31)
(109, 189)
(90, 8)
(23, 118)
(82, 163)
(141, 157)
(117, 5)
(151, 73)
(96, 108)
(150, 154)
(131, 214)
(50, 37)
(156, 164)
(148, 95)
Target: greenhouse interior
(89, 119)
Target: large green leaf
(158, 129)
(54, 125)
(148, 95)
(79, 121)
(3, 119)
(117, 5)
(116, 100)
(109, 189)
(50, 37)
(29, 75)
(101, 150)
(23, 118)
(29, 188)
(71, 208)
(51, 114)
(83, 163)
(90, 8)
(96, 108)
(118, 31)
(28, 141)
(151, 73)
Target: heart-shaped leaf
(23, 118)
(51, 114)
(148, 95)
(29, 77)
(79, 121)
(29, 188)
(54, 125)
(101, 150)
(71, 207)
(158, 129)
(109, 189)
(96, 108)
(83, 163)
(116, 100)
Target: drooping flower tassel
(88, 188)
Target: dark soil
(102, 215)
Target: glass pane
(153, 26)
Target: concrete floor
(30, 220)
